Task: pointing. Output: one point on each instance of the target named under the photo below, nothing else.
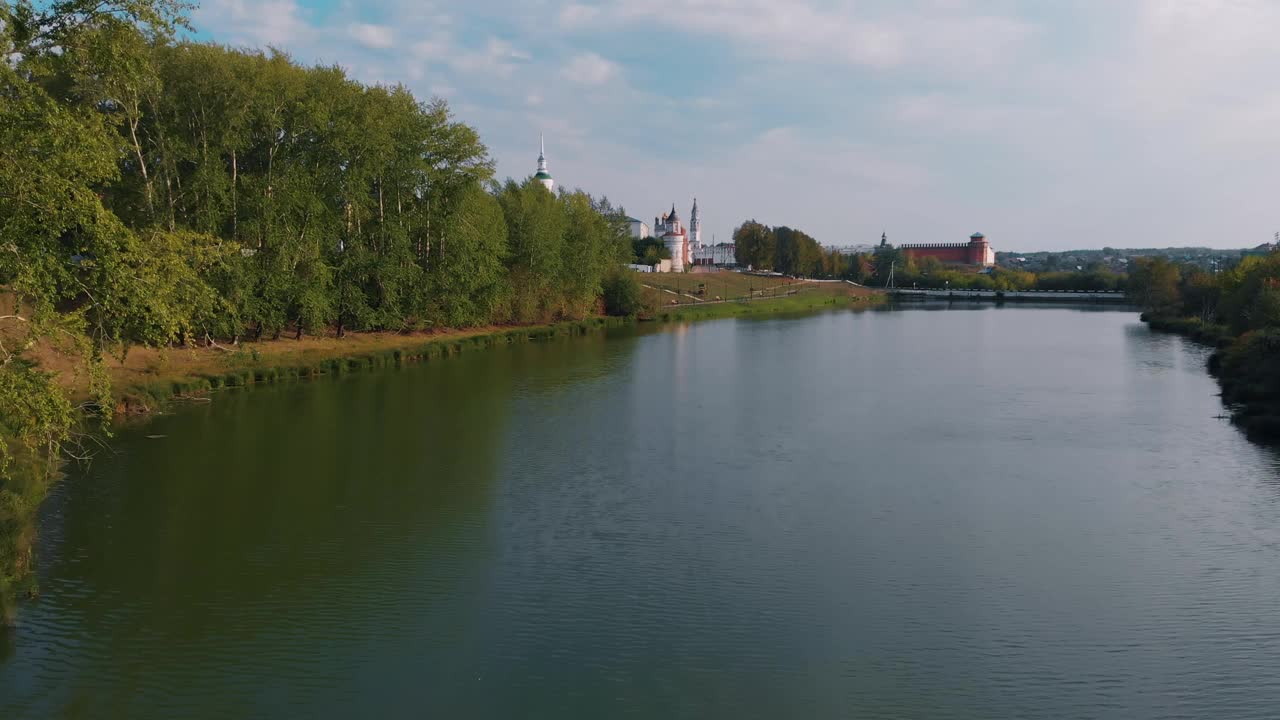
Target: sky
(1045, 125)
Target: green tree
(468, 283)
(535, 250)
(886, 259)
(65, 259)
(1153, 284)
(754, 245)
(623, 295)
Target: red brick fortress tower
(980, 252)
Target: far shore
(149, 378)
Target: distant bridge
(1117, 297)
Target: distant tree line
(929, 272)
(1242, 298)
(792, 252)
(788, 251)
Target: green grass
(694, 288)
(1210, 334)
(800, 302)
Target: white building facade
(723, 254)
(639, 228)
(675, 237)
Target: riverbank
(149, 380)
(1247, 368)
(1211, 334)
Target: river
(973, 512)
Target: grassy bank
(1247, 368)
(145, 383)
(1211, 334)
(146, 379)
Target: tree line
(788, 251)
(165, 192)
(929, 272)
(1241, 299)
(792, 252)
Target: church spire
(695, 226)
(543, 175)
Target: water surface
(973, 512)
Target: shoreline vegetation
(156, 376)
(1236, 312)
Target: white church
(679, 241)
(684, 244)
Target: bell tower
(543, 176)
(695, 226)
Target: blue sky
(1045, 125)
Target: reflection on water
(1000, 512)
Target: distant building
(975, 252)
(853, 249)
(1263, 249)
(721, 254)
(679, 241)
(676, 239)
(542, 175)
(639, 228)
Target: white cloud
(432, 49)
(939, 34)
(277, 23)
(377, 37)
(591, 69)
(574, 15)
(498, 58)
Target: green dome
(543, 175)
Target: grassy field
(813, 299)
(703, 288)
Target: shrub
(622, 293)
